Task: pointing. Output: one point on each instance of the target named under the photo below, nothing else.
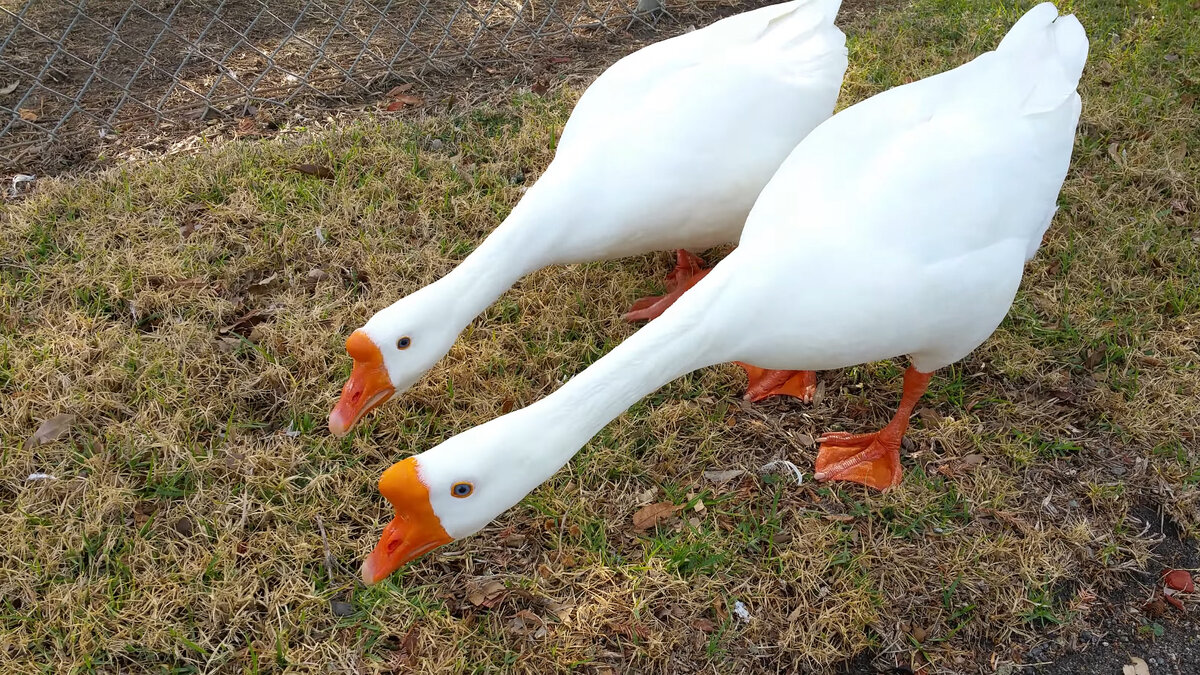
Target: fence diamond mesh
(69, 67)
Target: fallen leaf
(142, 512)
(1094, 357)
(1179, 580)
(918, 634)
(403, 100)
(263, 286)
(839, 517)
(649, 516)
(1138, 667)
(50, 430)
(647, 496)
(315, 170)
(185, 527)
(1171, 58)
(488, 595)
(399, 89)
(930, 418)
(506, 406)
(819, 395)
(723, 476)
(28, 115)
(1175, 602)
(1114, 152)
(731, 422)
(514, 540)
(973, 460)
(703, 625)
(10, 88)
(341, 608)
(1155, 608)
(804, 439)
(315, 277)
(540, 87)
(248, 126)
(247, 321)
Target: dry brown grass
(186, 527)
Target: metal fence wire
(69, 67)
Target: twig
(328, 555)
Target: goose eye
(403, 342)
(461, 490)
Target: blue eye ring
(462, 490)
(404, 342)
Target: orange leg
(766, 383)
(872, 459)
(688, 270)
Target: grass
(190, 311)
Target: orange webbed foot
(870, 459)
(764, 383)
(689, 269)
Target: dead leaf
(731, 422)
(10, 88)
(540, 87)
(28, 115)
(1179, 580)
(50, 430)
(649, 516)
(246, 322)
(142, 512)
(185, 527)
(341, 608)
(819, 395)
(1094, 357)
(403, 100)
(261, 287)
(703, 625)
(839, 517)
(314, 170)
(1138, 667)
(399, 89)
(930, 418)
(506, 406)
(1175, 602)
(514, 540)
(973, 460)
(1155, 608)
(1114, 152)
(723, 476)
(804, 439)
(489, 595)
(918, 634)
(248, 126)
(315, 277)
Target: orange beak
(416, 529)
(368, 386)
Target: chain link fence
(74, 68)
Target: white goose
(667, 149)
(914, 213)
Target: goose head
(391, 352)
(455, 489)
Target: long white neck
(531, 444)
(521, 244)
